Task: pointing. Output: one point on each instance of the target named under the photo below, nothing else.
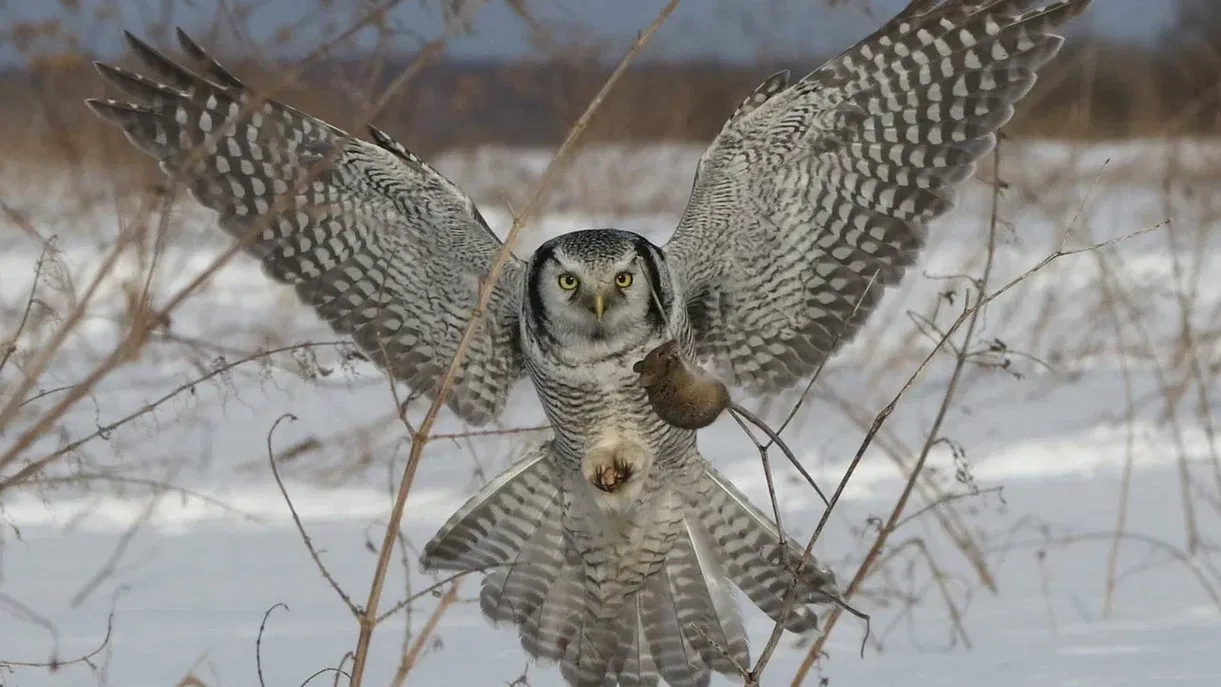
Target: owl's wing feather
(813, 192)
(383, 247)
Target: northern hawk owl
(812, 191)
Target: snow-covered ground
(1088, 377)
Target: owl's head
(602, 285)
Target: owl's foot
(615, 465)
(609, 478)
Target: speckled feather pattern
(383, 247)
(810, 191)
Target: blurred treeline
(1094, 90)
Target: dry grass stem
(309, 543)
(258, 642)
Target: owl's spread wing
(810, 191)
(383, 247)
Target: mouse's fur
(681, 393)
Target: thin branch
(430, 626)
(56, 664)
(782, 538)
(773, 640)
(934, 432)
(1180, 555)
(323, 671)
(509, 431)
(120, 548)
(258, 641)
(29, 615)
(32, 468)
(135, 337)
(774, 436)
(11, 346)
(427, 591)
(949, 498)
(309, 543)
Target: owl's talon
(616, 467)
(609, 478)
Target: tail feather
(639, 667)
(547, 631)
(680, 625)
(593, 654)
(717, 612)
(747, 544)
(493, 527)
(679, 660)
(515, 591)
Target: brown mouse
(681, 393)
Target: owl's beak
(599, 306)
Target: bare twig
(972, 321)
(1125, 488)
(781, 537)
(427, 591)
(84, 659)
(948, 498)
(1183, 557)
(338, 672)
(426, 632)
(309, 543)
(34, 467)
(29, 615)
(741, 416)
(10, 346)
(120, 549)
(773, 640)
(508, 431)
(157, 485)
(258, 642)
(774, 437)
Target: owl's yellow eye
(568, 282)
(623, 280)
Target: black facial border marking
(646, 254)
(652, 258)
(538, 319)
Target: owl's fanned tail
(683, 623)
(679, 623)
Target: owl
(813, 198)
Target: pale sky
(734, 31)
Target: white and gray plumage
(807, 193)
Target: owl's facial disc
(594, 286)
